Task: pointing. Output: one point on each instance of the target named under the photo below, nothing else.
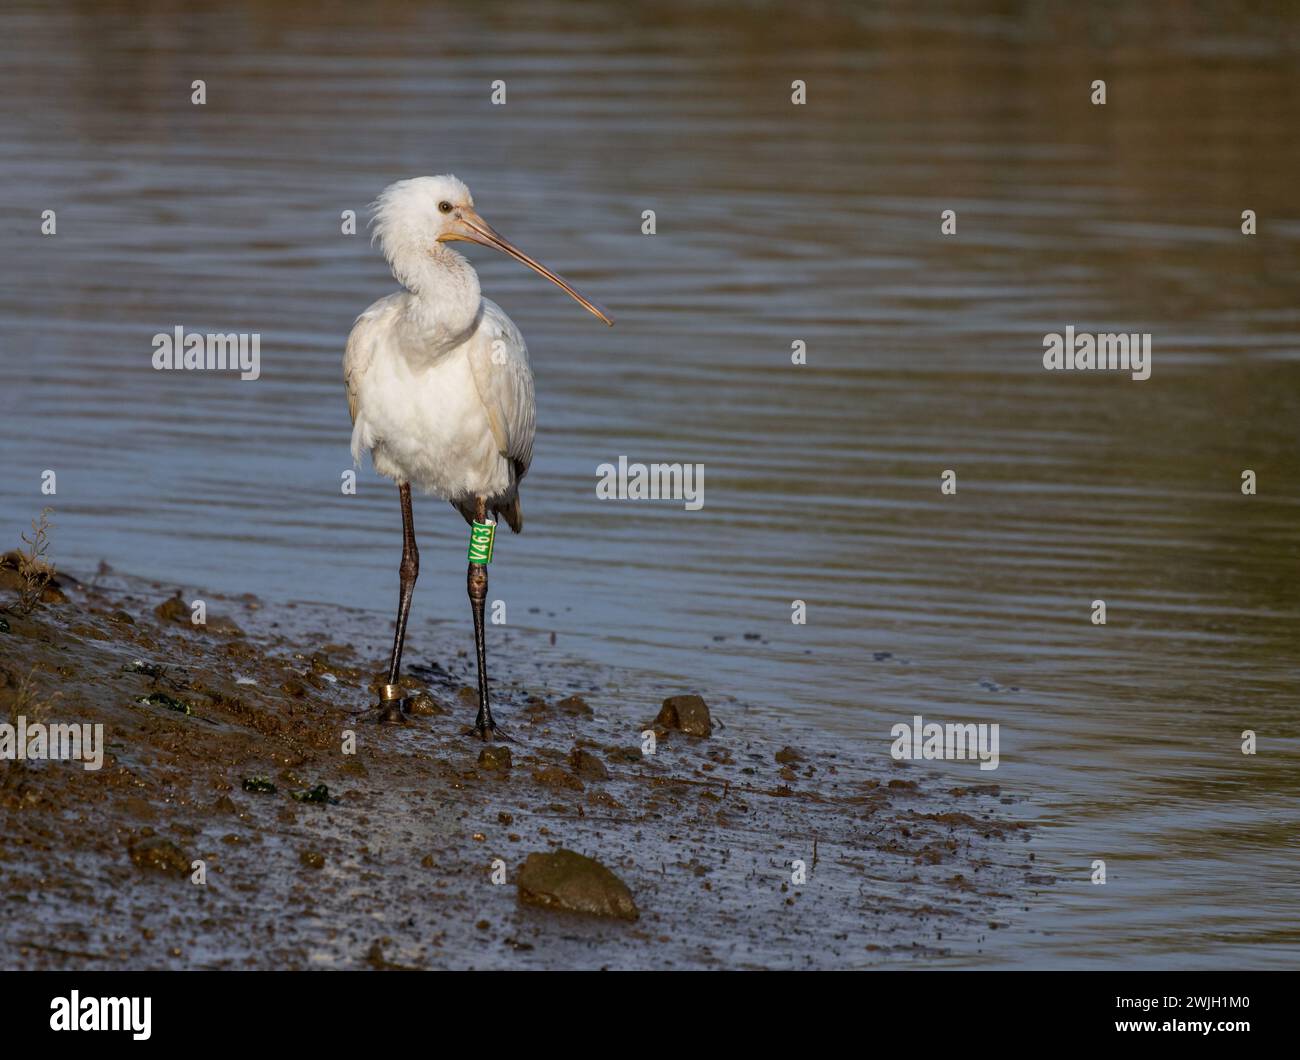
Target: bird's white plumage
(456, 423)
(437, 377)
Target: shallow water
(776, 223)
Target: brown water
(776, 223)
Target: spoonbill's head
(414, 216)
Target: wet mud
(330, 841)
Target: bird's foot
(489, 730)
(390, 711)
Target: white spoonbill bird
(441, 393)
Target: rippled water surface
(775, 224)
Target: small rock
(574, 705)
(160, 854)
(495, 757)
(585, 764)
(689, 714)
(567, 881)
(225, 626)
(425, 706)
(555, 777)
(175, 609)
(624, 754)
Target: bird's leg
(476, 581)
(390, 707)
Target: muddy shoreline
(227, 744)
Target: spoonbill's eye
(445, 207)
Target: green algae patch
(320, 793)
(162, 699)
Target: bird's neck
(445, 296)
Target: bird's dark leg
(390, 707)
(476, 581)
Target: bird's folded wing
(504, 380)
(367, 331)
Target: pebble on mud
(567, 881)
(496, 757)
(424, 705)
(161, 854)
(555, 777)
(689, 714)
(175, 609)
(574, 705)
(585, 764)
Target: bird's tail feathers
(510, 510)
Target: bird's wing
(367, 330)
(504, 380)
